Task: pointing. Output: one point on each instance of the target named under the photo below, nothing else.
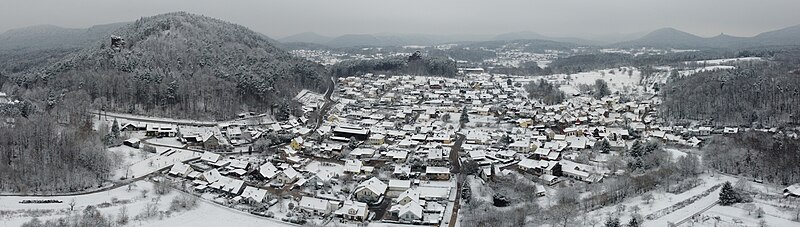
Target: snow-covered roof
(793, 190)
(291, 173)
(353, 208)
(528, 163)
(373, 184)
(395, 183)
(239, 164)
(316, 204)
(268, 170)
(254, 193)
(436, 170)
(410, 193)
(209, 157)
(179, 169)
(411, 208)
(352, 166)
(233, 185)
(212, 176)
(362, 151)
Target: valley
(181, 119)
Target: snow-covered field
(728, 60)
(675, 153)
(18, 213)
(663, 200)
(737, 216)
(210, 214)
(619, 81)
(704, 69)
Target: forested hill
(753, 94)
(415, 64)
(181, 64)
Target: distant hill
(528, 35)
(393, 39)
(51, 36)
(670, 37)
(302, 46)
(30, 47)
(307, 37)
(786, 36)
(359, 40)
(388, 39)
(181, 64)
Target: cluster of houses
(384, 150)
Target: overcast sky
(335, 17)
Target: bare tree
(647, 197)
(72, 204)
(563, 214)
(122, 217)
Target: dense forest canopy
(54, 150)
(416, 64)
(545, 92)
(180, 64)
(758, 155)
(753, 94)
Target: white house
(254, 194)
(407, 196)
(792, 190)
(437, 173)
(353, 166)
(370, 190)
(286, 176)
(180, 169)
(410, 212)
(317, 206)
(209, 157)
(353, 210)
(268, 170)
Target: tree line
(545, 91)
(415, 64)
(757, 155)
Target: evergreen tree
(601, 89)
(605, 147)
(115, 129)
(506, 139)
(636, 150)
(728, 195)
(634, 223)
(464, 116)
(613, 222)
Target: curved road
(328, 103)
